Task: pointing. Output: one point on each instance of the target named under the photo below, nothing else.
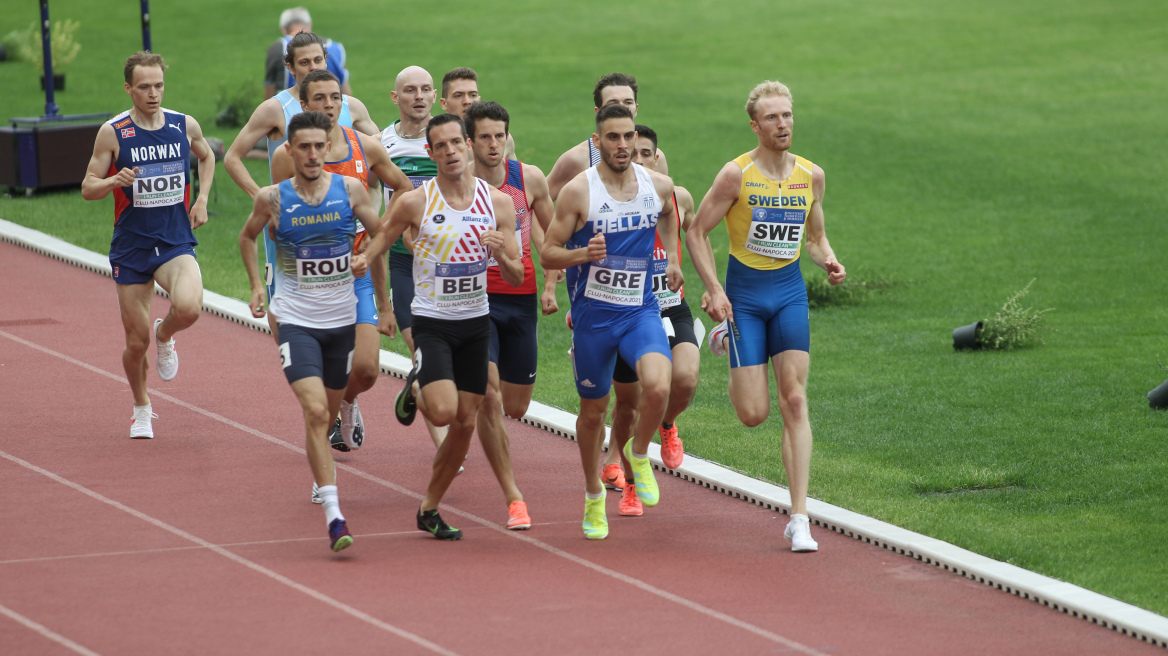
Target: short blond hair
(766, 89)
(142, 58)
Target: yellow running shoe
(646, 485)
(595, 519)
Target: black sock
(666, 426)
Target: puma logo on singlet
(174, 126)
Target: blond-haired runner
(148, 150)
(769, 198)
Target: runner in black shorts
(683, 342)
(514, 310)
(454, 220)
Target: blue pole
(146, 25)
(47, 43)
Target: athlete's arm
(667, 230)
(266, 206)
(817, 246)
(502, 242)
(363, 211)
(96, 185)
(568, 166)
(263, 122)
(540, 202)
(685, 205)
(361, 119)
(571, 213)
(404, 213)
(202, 150)
(718, 201)
(382, 165)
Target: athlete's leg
(590, 436)
(493, 435)
(134, 303)
(366, 361)
(319, 404)
(655, 371)
(181, 278)
(453, 449)
(624, 418)
(516, 398)
(685, 380)
(750, 394)
(408, 336)
(791, 375)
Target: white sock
(332, 506)
(594, 496)
(640, 456)
(139, 407)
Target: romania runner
(143, 157)
(311, 218)
(769, 197)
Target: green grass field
(968, 149)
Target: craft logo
(756, 184)
(127, 133)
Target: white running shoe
(352, 427)
(717, 334)
(799, 533)
(140, 424)
(167, 361)
(316, 494)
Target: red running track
(203, 540)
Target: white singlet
(450, 263)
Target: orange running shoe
(672, 452)
(517, 517)
(613, 477)
(630, 504)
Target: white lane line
(139, 552)
(280, 578)
(46, 632)
(600, 569)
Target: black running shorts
(514, 346)
(401, 284)
(453, 350)
(326, 353)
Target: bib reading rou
(323, 267)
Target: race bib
(323, 267)
(161, 184)
(460, 285)
(665, 298)
(775, 232)
(618, 280)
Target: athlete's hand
(705, 302)
(199, 213)
(492, 239)
(597, 249)
(125, 177)
(835, 271)
(548, 302)
(674, 277)
(359, 266)
(387, 324)
(257, 303)
(719, 307)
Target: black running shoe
(406, 406)
(430, 520)
(335, 440)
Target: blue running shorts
(770, 313)
(595, 346)
(136, 266)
